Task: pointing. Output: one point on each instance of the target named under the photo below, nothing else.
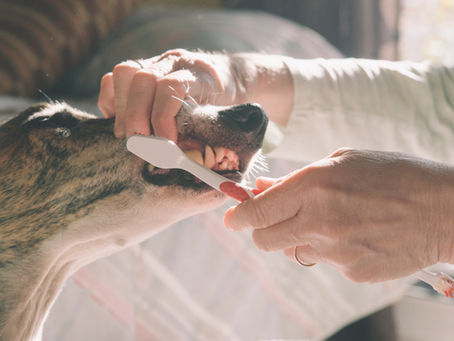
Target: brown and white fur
(71, 193)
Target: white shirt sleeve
(369, 104)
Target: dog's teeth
(232, 156)
(195, 155)
(210, 160)
(220, 152)
(229, 154)
(223, 165)
(150, 168)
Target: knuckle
(173, 53)
(295, 233)
(176, 52)
(144, 76)
(170, 86)
(106, 80)
(356, 274)
(341, 151)
(341, 258)
(260, 241)
(257, 216)
(122, 68)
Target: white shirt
(369, 104)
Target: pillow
(153, 30)
(42, 39)
(187, 3)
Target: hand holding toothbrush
(373, 215)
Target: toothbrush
(440, 282)
(164, 153)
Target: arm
(395, 106)
(152, 89)
(372, 215)
(322, 104)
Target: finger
(106, 96)
(289, 233)
(173, 53)
(170, 93)
(306, 254)
(142, 94)
(140, 101)
(279, 203)
(123, 75)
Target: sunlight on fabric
(426, 28)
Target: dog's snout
(246, 117)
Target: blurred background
(63, 47)
(43, 41)
(385, 29)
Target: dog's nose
(246, 117)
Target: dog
(71, 193)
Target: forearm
(264, 79)
(396, 106)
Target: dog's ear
(11, 126)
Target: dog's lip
(188, 143)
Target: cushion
(152, 30)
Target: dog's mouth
(220, 159)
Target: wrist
(264, 79)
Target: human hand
(153, 94)
(372, 215)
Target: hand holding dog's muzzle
(140, 92)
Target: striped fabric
(41, 39)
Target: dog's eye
(63, 119)
(59, 120)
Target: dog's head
(63, 170)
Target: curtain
(359, 28)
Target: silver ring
(295, 255)
(138, 62)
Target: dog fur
(71, 193)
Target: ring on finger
(299, 261)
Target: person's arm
(152, 90)
(359, 103)
(264, 79)
(372, 215)
(322, 104)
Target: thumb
(263, 183)
(271, 207)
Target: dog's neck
(30, 286)
(71, 193)
(47, 236)
(31, 293)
